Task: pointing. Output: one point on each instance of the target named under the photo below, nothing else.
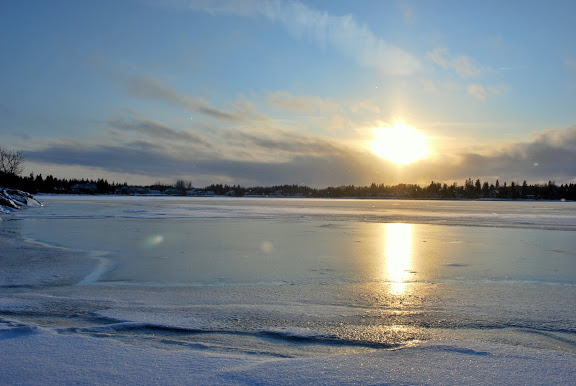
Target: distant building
(84, 188)
(277, 193)
(199, 193)
(139, 190)
(173, 192)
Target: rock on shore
(14, 199)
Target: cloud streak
(146, 87)
(463, 65)
(477, 91)
(303, 104)
(156, 130)
(286, 143)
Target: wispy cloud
(342, 33)
(302, 103)
(147, 87)
(477, 91)
(463, 65)
(156, 130)
(366, 106)
(408, 13)
(570, 64)
(286, 143)
(237, 7)
(481, 92)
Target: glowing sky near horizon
(262, 92)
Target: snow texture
(33, 356)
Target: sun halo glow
(400, 144)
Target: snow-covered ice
(100, 290)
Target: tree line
(11, 166)
(435, 190)
(50, 184)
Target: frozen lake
(179, 241)
(300, 278)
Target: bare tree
(180, 185)
(183, 185)
(11, 161)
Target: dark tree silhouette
(435, 190)
(11, 161)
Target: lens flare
(153, 241)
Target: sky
(264, 92)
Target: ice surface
(516, 214)
(287, 292)
(218, 241)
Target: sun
(400, 144)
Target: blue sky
(262, 92)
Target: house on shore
(84, 188)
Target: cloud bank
(278, 157)
(551, 155)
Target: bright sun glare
(400, 144)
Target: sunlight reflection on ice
(398, 255)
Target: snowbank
(13, 199)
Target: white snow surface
(34, 356)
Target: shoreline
(29, 263)
(305, 198)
